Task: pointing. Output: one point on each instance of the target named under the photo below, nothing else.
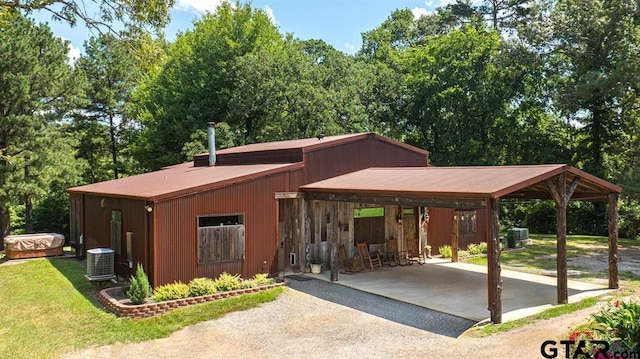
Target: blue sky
(338, 22)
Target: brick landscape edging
(147, 310)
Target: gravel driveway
(298, 325)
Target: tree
(111, 72)
(35, 87)
(499, 14)
(460, 95)
(97, 14)
(197, 81)
(594, 62)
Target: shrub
(248, 283)
(202, 286)
(445, 251)
(176, 290)
(511, 238)
(139, 289)
(226, 282)
(262, 278)
(476, 249)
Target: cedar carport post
(494, 281)
(561, 196)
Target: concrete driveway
(461, 289)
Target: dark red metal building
(192, 219)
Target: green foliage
(104, 127)
(36, 89)
(629, 222)
(171, 291)
(103, 16)
(541, 217)
(202, 286)
(263, 278)
(139, 290)
(248, 283)
(445, 251)
(227, 282)
(196, 83)
(619, 322)
(460, 92)
(476, 249)
(511, 238)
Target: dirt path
(299, 325)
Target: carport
(468, 188)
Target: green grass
(47, 308)
(541, 253)
(553, 312)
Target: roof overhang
(456, 187)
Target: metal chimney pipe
(212, 143)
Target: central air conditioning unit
(100, 264)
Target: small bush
(445, 251)
(511, 238)
(176, 290)
(139, 289)
(476, 249)
(262, 278)
(227, 282)
(248, 283)
(202, 286)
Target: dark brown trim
(467, 203)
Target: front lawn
(540, 255)
(48, 308)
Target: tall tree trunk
(114, 147)
(28, 205)
(597, 137)
(5, 224)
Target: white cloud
(444, 3)
(419, 12)
(73, 53)
(200, 6)
(270, 14)
(351, 48)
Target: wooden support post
(559, 193)
(454, 236)
(333, 239)
(613, 241)
(493, 261)
(302, 234)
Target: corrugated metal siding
(176, 251)
(439, 229)
(353, 156)
(97, 212)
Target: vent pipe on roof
(212, 143)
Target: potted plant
(316, 265)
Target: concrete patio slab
(461, 289)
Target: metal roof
(311, 144)
(464, 182)
(179, 180)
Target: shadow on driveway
(390, 309)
